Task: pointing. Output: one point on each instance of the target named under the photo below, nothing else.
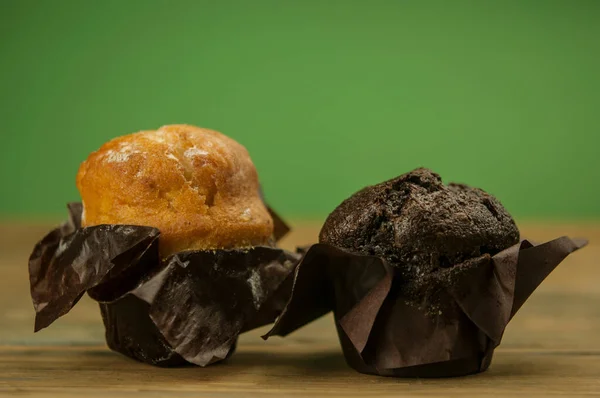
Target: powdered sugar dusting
(246, 215)
(122, 154)
(256, 286)
(172, 157)
(156, 136)
(193, 152)
(116, 157)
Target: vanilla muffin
(197, 186)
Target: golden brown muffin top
(197, 186)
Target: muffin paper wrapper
(187, 308)
(381, 333)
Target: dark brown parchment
(187, 308)
(382, 333)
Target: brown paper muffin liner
(382, 333)
(186, 309)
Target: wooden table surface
(551, 347)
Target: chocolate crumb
(429, 231)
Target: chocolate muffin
(422, 227)
(422, 278)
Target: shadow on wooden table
(312, 363)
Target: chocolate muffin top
(420, 225)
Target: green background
(328, 96)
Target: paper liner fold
(383, 333)
(188, 308)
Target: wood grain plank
(286, 371)
(550, 348)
